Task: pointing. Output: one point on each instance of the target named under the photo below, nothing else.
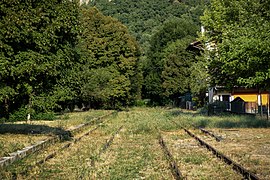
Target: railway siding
(126, 147)
(248, 147)
(173, 165)
(194, 161)
(246, 173)
(20, 154)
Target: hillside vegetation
(111, 54)
(164, 29)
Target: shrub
(142, 102)
(2, 120)
(19, 115)
(44, 116)
(217, 107)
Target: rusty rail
(218, 139)
(173, 165)
(67, 145)
(237, 167)
(53, 154)
(109, 142)
(20, 154)
(106, 145)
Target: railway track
(96, 153)
(173, 165)
(217, 138)
(28, 151)
(107, 144)
(235, 166)
(65, 148)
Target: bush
(44, 116)
(142, 102)
(19, 115)
(217, 107)
(2, 120)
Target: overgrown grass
(135, 152)
(196, 159)
(10, 143)
(15, 136)
(187, 119)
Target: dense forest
(164, 29)
(112, 54)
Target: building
(251, 99)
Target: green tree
(142, 17)
(168, 61)
(36, 43)
(113, 76)
(176, 73)
(240, 30)
(199, 80)
(145, 19)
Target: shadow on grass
(34, 129)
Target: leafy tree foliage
(111, 73)
(143, 17)
(176, 72)
(36, 45)
(146, 20)
(199, 80)
(167, 71)
(240, 30)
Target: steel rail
(67, 145)
(109, 142)
(218, 139)
(53, 154)
(26, 151)
(173, 165)
(237, 167)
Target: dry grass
(194, 161)
(12, 142)
(71, 119)
(136, 154)
(249, 147)
(15, 136)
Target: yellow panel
(252, 97)
(264, 99)
(247, 97)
